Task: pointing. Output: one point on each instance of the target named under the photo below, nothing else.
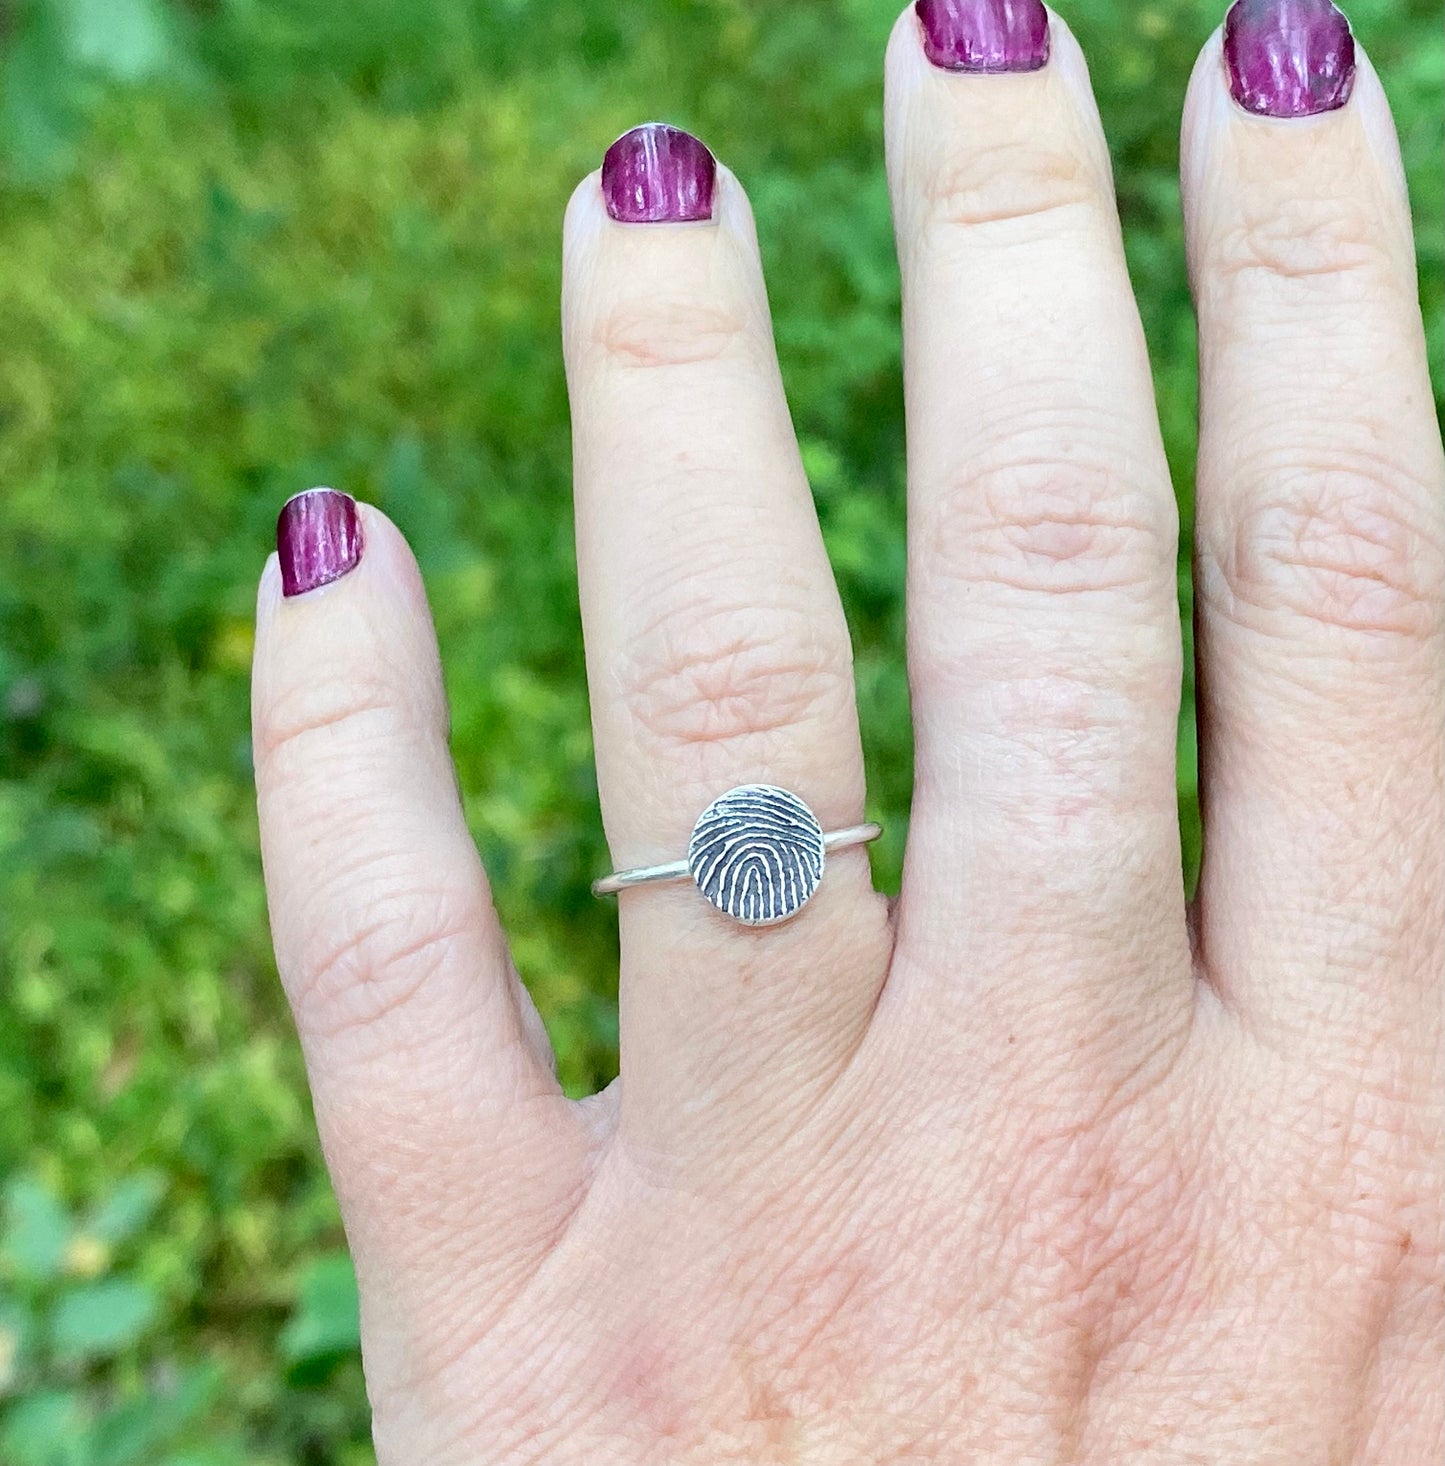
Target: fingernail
(1289, 58)
(985, 35)
(318, 539)
(658, 174)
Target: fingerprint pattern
(757, 854)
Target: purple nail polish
(985, 35)
(318, 539)
(1288, 58)
(658, 174)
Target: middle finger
(1044, 643)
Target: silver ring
(757, 853)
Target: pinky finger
(445, 1132)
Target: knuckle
(1055, 528)
(294, 718)
(734, 674)
(1102, 1217)
(1305, 238)
(1036, 179)
(380, 962)
(669, 331)
(1336, 546)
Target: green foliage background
(251, 245)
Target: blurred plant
(70, 1314)
(78, 1306)
(60, 56)
(326, 1324)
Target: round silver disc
(757, 854)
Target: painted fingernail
(658, 174)
(985, 35)
(318, 539)
(1289, 58)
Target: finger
(716, 647)
(1321, 520)
(1044, 645)
(449, 1143)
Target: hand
(1033, 1166)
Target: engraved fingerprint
(757, 853)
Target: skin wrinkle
(796, 1081)
(804, 1332)
(1374, 895)
(535, 1379)
(673, 599)
(1309, 245)
(389, 864)
(1340, 549)
(1035, 184)
(1296, 689)
(723, 677)
(1069, 811)
(1358, 843)
(1063, 528)
(445, 1328)
(1337, 351)
(1390, 1250)
(358, 962)
(278, 733)
(1055, 428)
(679, 332)
(411, 909)
(453, 1304)
(764, 1138)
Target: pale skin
(1036, 1164)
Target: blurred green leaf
(327, 1318)
(101, 1318)
(133, 1432)
(47, 1429)
(219, 1454)
(39, 109)
(16, 1330)
(126, 39)
(127, 1209)
(37, 1228)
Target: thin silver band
(676, 870)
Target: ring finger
(716, 646)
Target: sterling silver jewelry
(757, 853)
